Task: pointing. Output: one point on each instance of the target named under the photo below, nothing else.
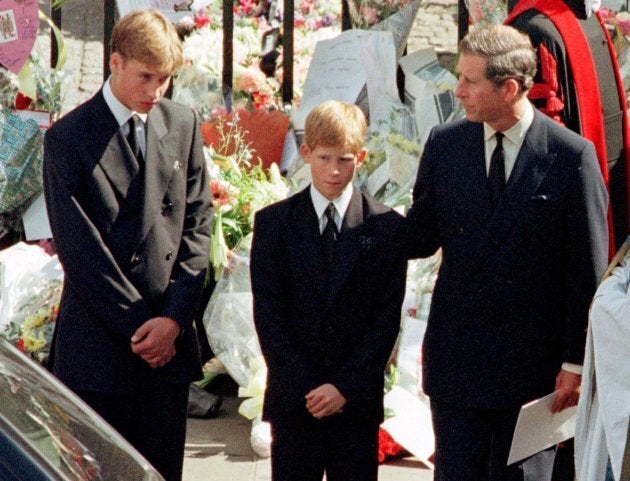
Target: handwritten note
(18, 30)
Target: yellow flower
(34, 344)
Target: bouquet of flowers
(30, 290)
(239, 188)
(31, 330)
(393, 158)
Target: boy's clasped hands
(325, 400)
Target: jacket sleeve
(421, 226)
(587, 249)
(189, 271)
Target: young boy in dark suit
(328, 281)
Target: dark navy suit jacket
(132, 246)
(313, 332)
(511, 300)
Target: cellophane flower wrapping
(395, 16)
(229, 318)
(393, 158)
(30, 290)
(20, 167)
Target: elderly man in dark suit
(518, 206)
(130, 209)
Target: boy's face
(332, 168)
(136, 85)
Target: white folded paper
(537, 428)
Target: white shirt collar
(515, 134)
(120, 111)
(341, 204)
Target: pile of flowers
(487, 11)
(240, 187)
(32, 328)
(199, 83)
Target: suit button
(169, 256)
(167, 208)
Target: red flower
(259, 100)
(20, 345)
(387, 447)
(202, 19)
(22, 102)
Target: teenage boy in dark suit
(130, 210)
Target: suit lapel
(347, 248)
(160, 164)
(307, 241)
(469, 174)
(109, 148)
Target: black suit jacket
(513, 291)
(132, 246)
(312, 332)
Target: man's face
(136, 85)
(332, 168)
(482, 100)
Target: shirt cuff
(572, 368)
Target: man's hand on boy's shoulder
(325, 400)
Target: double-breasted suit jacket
(511, 300)
(313, 330)
(133, 241)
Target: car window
(62, 430)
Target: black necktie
(496, 175)
(329, 235)
(132, 138)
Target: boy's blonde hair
(336, 123)
(149, 37)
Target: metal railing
(109, 18)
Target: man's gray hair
(509, 52)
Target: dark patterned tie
(496, 175)
(329, 235)
(132, 138)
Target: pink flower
(369, 15)
(252, 79)
(220, 192)
(606, 13)
(624, 25)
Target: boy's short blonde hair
(149, 37)
(336, 123)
